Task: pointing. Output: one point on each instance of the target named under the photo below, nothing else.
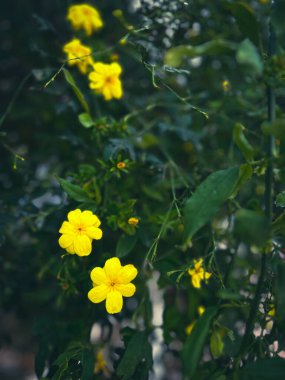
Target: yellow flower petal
(90, 219)
(65, 241)
(114, 302)
(74, 216)
(66, 228)
(127, 273)
(82, 245)
(98, 293)
(196, 280)
(94, 233)
(127, 290)
(98, 276)
(112, 268)
(70, 249)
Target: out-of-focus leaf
(138, 350)
(263, 369)
(196, 341)
(175, 55)
(241, 141)
(216, 344)
(208, 198)
(252, 227)
(86, 120)
(125, 245)
(74, 191)
(275, 128)
(248, 55)
(280, 199)
(245, 174)
(69, 78)
(246, 20)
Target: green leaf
(241, 141)
(74, 191)
(69, 78)
(138, 350)
(246, 20)
(245, 174)
(86, 120)
(264, 369)
(216, 344)
(251, 227)
(125, 245)
(248, 55)
(196, 341)
(275, 128)
(208, 198)
(175, 55)
(87, 360)
(280, 199)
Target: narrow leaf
(241, 141)
(69, 78)
(196, 341)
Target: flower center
(80, 229)
(110, 79)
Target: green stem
(268, 207)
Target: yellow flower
(78, 54)
(111, 283)
(105, 80)
(198, 273)
(121, 165)
(79, 231)
(271, 311)
(100, 363)
(85, 17)
(133, 221)
(226, 85)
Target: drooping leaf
(208, 198)
(246, 20)
(216, 344)
(196, 341)
(125, 245)
(175, 55)
(74, 191)
(86, 120)
(249, 56)
(241, 141)
(69, 78)
(138, 350)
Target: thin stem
(268, 206)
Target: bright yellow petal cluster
(85, 17)
(133, 221)
(198, 273)
(111, 283)
(105, 80)
(78, 54)
(100, 363)
(79, 231)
